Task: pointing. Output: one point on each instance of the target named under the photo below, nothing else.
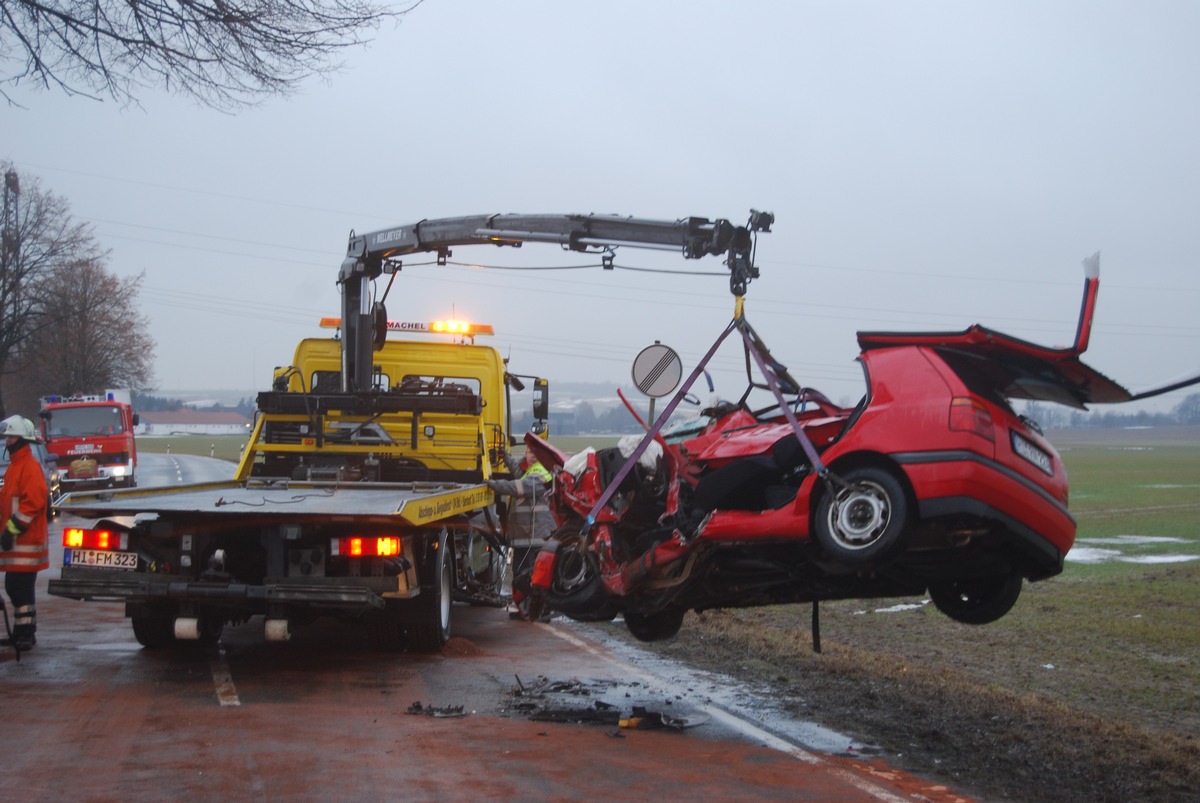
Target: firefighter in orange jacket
(24, 544)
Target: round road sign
(657, 370)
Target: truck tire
(211, 629)
(154, 632)
(429, 628)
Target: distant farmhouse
(193, 422)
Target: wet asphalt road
(90, 715)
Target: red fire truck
(92, 439)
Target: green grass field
(224, 447)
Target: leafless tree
(224, 53)
(41, 239)
(92, 337)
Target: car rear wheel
(976, 600)
(657, 626)
(863, 520)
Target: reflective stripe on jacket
(530, 522)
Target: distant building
(193, 422)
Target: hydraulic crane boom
(367, 257)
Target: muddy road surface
(509, 711)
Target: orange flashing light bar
(80, 538)
(450, 327)
(359, 547)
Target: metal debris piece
(599, 713)
(441, 712)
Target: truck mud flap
(115, 590)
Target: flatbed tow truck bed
(416, 504)
(285, 549)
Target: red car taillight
(970, 415)
(543, 569)
(370, 547)
(80, 538)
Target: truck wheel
(211, 629)
(431, 627)
(656, 626)
(976, 600)
(864, 519)
(154, 632)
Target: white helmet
(21, 427)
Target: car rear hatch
(997, 368)
(1011, 368)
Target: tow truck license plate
(100, 558)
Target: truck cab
(437, 411)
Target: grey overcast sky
(930, 165)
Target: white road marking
(223, 680)
(742, 726)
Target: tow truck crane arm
(367, 257)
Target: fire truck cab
(91, 438)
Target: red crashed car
(932, 483)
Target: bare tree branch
(66, 323)
(226, 55)
(96, 338)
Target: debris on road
(542, 701)
(441, 712)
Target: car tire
(657, 626)
(605, 613)
(586, 595)
(863, 519)
(976, 600)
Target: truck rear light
(970, 415)
(365, 547)
(81, 538)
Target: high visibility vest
(537, 470)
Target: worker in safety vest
(529, 526)
(24, 544)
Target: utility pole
(11, 245)
(10, 242)
(10, 255)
